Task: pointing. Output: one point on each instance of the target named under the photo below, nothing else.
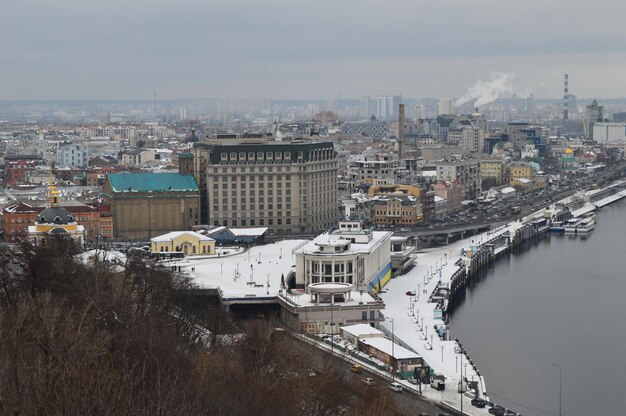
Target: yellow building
(492, 169)
(394, 190)
(520, 170)
(188, 243)
(397, 210)
(55, 220)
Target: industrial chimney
(565, 97)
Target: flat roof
(386, 346)
(355, 248)
(360, 330)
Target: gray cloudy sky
(118, 49)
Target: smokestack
(566, 97)
(401, 131)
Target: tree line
(98, 338)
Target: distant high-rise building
(182, 115)
(446, 106)
(364, 109)
(593, 114)
(386, 106)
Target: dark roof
(55, 215)
(151, 182)
(305, 148)
(192, 138)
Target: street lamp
(441, 353)
(560, 387)
(393, 343)
(461, 389)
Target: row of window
(270, 169)
(235, 185)
(251, 222)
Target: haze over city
(278, 208)
(71, 49)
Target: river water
(561, 301)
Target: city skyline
(283, 50)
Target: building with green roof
(147, 204)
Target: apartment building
(467, 172)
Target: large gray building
(289, 187)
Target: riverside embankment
(440, 279)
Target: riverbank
(438, 271)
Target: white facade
(609, 132)
(72, 155)
(446, 106)
(387, 106)
(471, 138)
(349, 254)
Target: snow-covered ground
(245, 274)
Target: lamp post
(332, 329)
(462, 381)
(560, 387)
(393, 355)
(441, 353)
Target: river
(563, 302)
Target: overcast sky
(126, 49)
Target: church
(55, 220)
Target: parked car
(369, 381)
(412, 380)
(497, 410)
(410, 293)
(397, 387)
(478, 402)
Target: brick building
(144, 205)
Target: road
(405, 403)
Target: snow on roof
(175, 234)
(361, 330)
(378, 237)
(215, 230)
(429, 173)
(246, 232)
(507, 190)
(245, 274)
(385, 345)
(439, 199)
(524, 180)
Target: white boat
(571, 225)
(586, 224)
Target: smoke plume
(485, 92)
